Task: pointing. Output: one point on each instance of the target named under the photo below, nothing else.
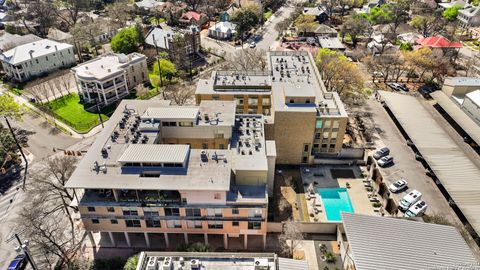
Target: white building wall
(472, 109)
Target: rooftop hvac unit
(195, 264)
(152, 263)
(167, 263)
(261, 264)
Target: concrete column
(104, 96)
(126, 84)
(116, 194)
(92, 240)
(167, 243)
(128, 239)
(147, 239)
(205, 236)
(112, 239)
(115, 87)
(264, 241)
(88, 94)
(185, 235)
(245, 241)
(225, 241)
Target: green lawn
(70, 111)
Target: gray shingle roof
(392, 244)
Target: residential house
(469, 17)
(192, 18)
(324, 30)
(182, 46)
(148, 5)
(110, 77)
(319, 13)
(59, 36)
(172, 173)
(367, 244)
(444, 5)
(222, 30)
(332, 43)
(9, 41)
(36, 59)
(291, 95)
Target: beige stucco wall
(247, 177)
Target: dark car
(18, 263)
(381, 153)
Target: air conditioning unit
(152, 263)
(167, 263)
(195, 264)
(260, 264)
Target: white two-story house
(36, 59)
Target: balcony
(131, 198)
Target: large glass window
(130, 212)
(254, 225)
(174, 223)
(133, 223)
(151, 214)
(319, 123)
(255, 213)
(215, 224)
(172, 212)
(194, 224)
(152, 223)
(214, 212)
(193, 212)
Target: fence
(307, 227)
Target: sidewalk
(22, 101)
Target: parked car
(253, 44)
(385, 161)
(398, 86)
(417, 209)
(410, 199)
(377, 74)
(398, 186)
(381, 153)
(18, 263)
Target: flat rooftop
(248, 143)
(103, 165)
(106, 65)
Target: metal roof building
(390, 244)
(458, 174)
(155, 153)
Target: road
(267, 38)
(11, 205)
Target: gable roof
(192, 15)
(31, 50)
(438, 42)
(393, 243)
(224, 27)
(162, 37)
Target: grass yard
(70, 111)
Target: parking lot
(405, 166)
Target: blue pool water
(335, 200)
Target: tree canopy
(354, 27)
(126, 41)
(451, 13)
(8, 107)
(246, 18)
(305, 23)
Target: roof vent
(152, 263)
(167, 263)
(195, 264)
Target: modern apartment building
(36, 58)
(304, 120)
(109, 77)
(176, 174)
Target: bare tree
(193, 4)
(245, 60)
(291, 237)
(68, 11)
(283, 204)
(40, 12)
(179, 94)
(120, 12)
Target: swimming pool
(335, 200)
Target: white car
(398, 186)
(253, 44)
(385, 161)
(410, 199)
(417, 209)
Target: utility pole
(24, 247)
(98, 111)
(21, 151)
(158, 61)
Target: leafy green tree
(451, 13)
(131, 263)
(8, 107)
(380, 14)
(246, 18)
(305, 23)
(405, 46)
(8, 150)
(126, 41)
(355, 26)
(427, 25)
(168, 69)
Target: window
(152, 223)
(151, 214)
(315, 146)
(239, 101)
(332, 145)
(235, 211)
(174, 223)
(215, 225)
(255, 213)
(334, 135)
(235, 223)
(133, 223)
(172, 212)
(110, 209)
(319, 123)
(292, 101)
(305, 148)
(324, 145)
(317, 135)
(328, 124)
(204, 146)
(46, 57)
(307, 101)
(95, 221)
(215, 97)
(69, 51)
(134, 78)
(130, 212)
(36, 60)
(169, 124)
(254, 225)
(91, 209)
(185, 124)
(215, 212)
(304, 159)
(266, 101)
(252, 101)
(336, 124)
(325, 134)
(222, 146)
(219, 134)
(193, 212)
(194, 224)
(113, 221)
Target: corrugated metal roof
(167, 153)
(291, 264)
(172, 113)
(458, 115)
(458, 174)
(392, 244)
